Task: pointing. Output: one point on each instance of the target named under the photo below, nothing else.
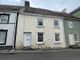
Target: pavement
(61, 54)
(38, 50)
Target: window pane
(56, 23)
(2, 36)
(40, 21)
(4, 18)
(70, 24)
(57, 37)
(75, 37)
(40, 37)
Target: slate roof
(76, 10)
(10, 8)
(47, 12)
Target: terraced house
(28, 27)
(72, 32)
(8, 22)
(41, 28)
(73, 28)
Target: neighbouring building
(41, 28)
(76, 12)
(72, 29)
(72, 32)
(8, 22)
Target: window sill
(4, 23)
(40, 26)
(76, 41)
(40, 43)
(57, 27)
(70, 27)
(57, 42)
(2, 43)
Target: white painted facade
(10, 27)
(28, 23)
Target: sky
(55, 5)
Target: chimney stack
(27, 4)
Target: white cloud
(12, 2)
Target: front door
(71, 39)
(27, 39)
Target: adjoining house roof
(76, 10)
(47, 12)
(10, 8)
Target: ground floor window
(76, 37)
(57, 37)
(3, 36)
(40, 37)
(73, 38)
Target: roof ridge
(75, 10)
(46, 9)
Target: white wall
(13, 17)
(10, 27)
(28, 23)
(10, 33)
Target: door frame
(71, 35)
(30, 39)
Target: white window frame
(72, 39)
(70, 24)
(43, 38)
(57, 22)
(77, 37)
(59, 38)
(41, 20)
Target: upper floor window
(56, 23)
(4, 18)
(40, 21)
(70, 24)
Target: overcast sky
(56, 5)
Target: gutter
(40, 15)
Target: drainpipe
(14, 45)
(16, 31)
